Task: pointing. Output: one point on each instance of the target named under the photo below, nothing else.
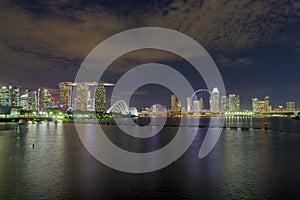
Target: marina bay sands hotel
(85, 96)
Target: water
(245, 164)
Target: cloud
(229, 62)
(45, 42)
(229, 25)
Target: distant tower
(188, 104)
(173, 103)
(100, 98)
(9, 96)
(215, 101)
(224, 103)
(81, 99)
(25, 100)
(65, 92)
(46, 98)
(233, 102)
(255, 104)
(198, 106)
(267, 100)
(290, 106)
(33, 101)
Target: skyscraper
(215, 101)
(198, 106)
(262, 106)
(224, 103)
(290, 106)
(85, 96)
(33, 100)
(81, 99)
(233, 102)
(255, 105)
(267, 101)
(9, 96)
(46, 98)
(188, 104)
(173, 103)
(65, 92)
(43, 98)
(100, 99)
(25, 100)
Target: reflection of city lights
(108, 84)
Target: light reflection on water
(248, 164)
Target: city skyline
(94, 97)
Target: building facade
(233, 103)
(255, 105)
(9, 96)
(224, 103)
(215, 101)
(290, 106)
(100, 99)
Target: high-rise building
(224, 103)
(215, 101)
(255, 104)
(267, 101)
(198, 106)
(290, 106)
(25, 100)
(178, 105)
(188, 104)
(33, 100)
(43, 98)
(9, 96)
(46, 98)
(100, 99)
(263, 106)
(233, 102)
(4, 96)
(85, 96)
(173, 103)
(81, 99)
(65, 92)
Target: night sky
(255, 44)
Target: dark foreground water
(244, 164)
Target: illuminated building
(81, 99)
(173, 103)
(84, 96)
(33, 100)
(215, 101)
(267, 101)
(100, 98)
(198, 106)
(224, 103)
(9, 96)
(188, 104)
(65, 93)
(290, 106)
(262, 106)
(255, 104)
(178, 105)
(43, 98)
(4, 96)
(25, 100)
(154, 109)
(46, 98)
(233, 102)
